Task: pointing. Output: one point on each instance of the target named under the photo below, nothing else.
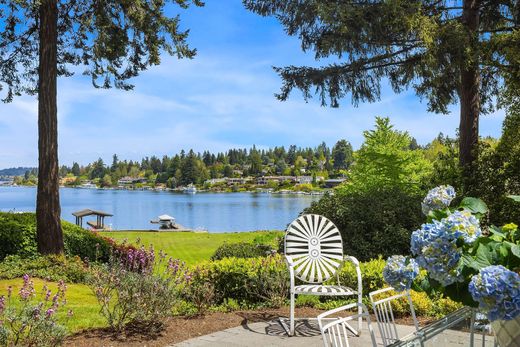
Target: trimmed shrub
(17, 238)
(372, 223)
(371, 274)
(233, 278)
(241, 250)
(51, 267)
(18, 235)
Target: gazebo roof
(89, 212)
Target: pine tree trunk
(48, 224)
(470, 90)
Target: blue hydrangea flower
(463, 223)
(497, 290)
(400, 271)
(438, 198)
(436, 251)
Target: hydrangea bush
(400, 272)
(475, 268)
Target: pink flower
(49, 312)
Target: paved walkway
(271, 334)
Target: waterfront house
(333, 182)
(238, 180)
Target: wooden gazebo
(100, 218)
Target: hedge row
(264, 280)
(18, 235)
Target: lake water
(215, 212)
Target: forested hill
(15, 171)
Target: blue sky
(224, 98)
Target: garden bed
(184, 328)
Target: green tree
(255, 160)
(98, 169)
(190, 169)
(113, 39)
(385, 160)
(228, 171)
(75, 169)
(115, 163)
(448, 51)
(342, 154)
(106, 181)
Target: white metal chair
(314, 253)
(385, 315)
(335, 333)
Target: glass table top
(455, 329)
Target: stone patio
(273, 334)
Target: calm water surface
(215, 212)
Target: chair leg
(291, 323)
(360, 311)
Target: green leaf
(515, 249)
(497, 231)
(474, 205)
(514, 197)
(438, 215)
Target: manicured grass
(80, 300)
(192, 247)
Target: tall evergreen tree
(342, 154)
(448, 51)
(113, 39)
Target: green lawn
(80, 300)
(192, 247)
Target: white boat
(190, 189)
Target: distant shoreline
(180, 190)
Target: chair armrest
(354, 261)
(290, 265)
(289, 260)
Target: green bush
(371, 275)
(373, 223)
(234, 278)
(241, 250)
(52, 267)
(17, 238)
(18, 235)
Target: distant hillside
(15, 171)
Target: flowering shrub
(460, 259)
(400, 272)
(438, 199)
(497, 290)
(130, 290)
(463, 224)
(437, 252)
(198, 289)
(32, 322)
(270, 281)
